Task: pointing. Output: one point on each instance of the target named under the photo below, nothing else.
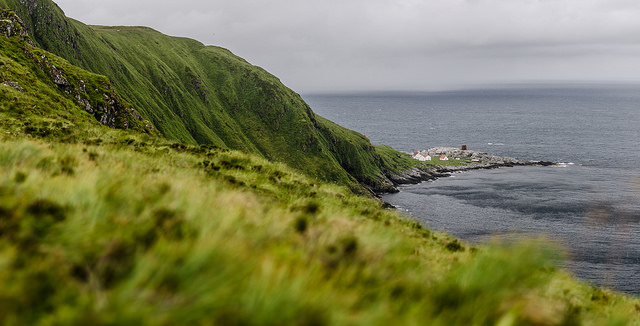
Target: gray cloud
(400, 44)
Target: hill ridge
(201, 94)
(90, 92)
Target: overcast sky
(333, 45)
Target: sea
(589, 203)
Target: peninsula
(439, 162)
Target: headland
(441, 162)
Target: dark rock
(57, 75)
(387, 205)
(13, 85)
(416, 175)
(12, 26)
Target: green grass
(110, 227)
(122, 227)
(130, 232)
(27, 85)
(199, 94)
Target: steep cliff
(201, 94)
(35, 78)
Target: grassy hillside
(200, 94)
(37, 88)
(128, 229)
(155, 234)
(100, 226)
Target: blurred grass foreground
(132, 230)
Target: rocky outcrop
(14, 85)
(57, 76)
(481, 160)
(411, 175)
(381, 186)
(100, 100)
(12, 26)
(47, 25)
(414, 175)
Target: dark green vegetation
(107, 227)
(137, 231)
(48, 85)
(200, 94)
(101, 226)
(128, 229)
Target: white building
(420, 157)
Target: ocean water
(590, 204)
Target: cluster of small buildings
(426, 157)
(441, 153)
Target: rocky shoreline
(481, 161)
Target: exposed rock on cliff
(46, 23)
(11, 25)
(93, 93)
(13, 85)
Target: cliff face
(47, 25)
(12, 26)
(206, 95)
(93, 93)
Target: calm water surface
(591, 204)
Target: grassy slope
(26, 83)
(205, 95)
(109, 227)
(241, 241)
